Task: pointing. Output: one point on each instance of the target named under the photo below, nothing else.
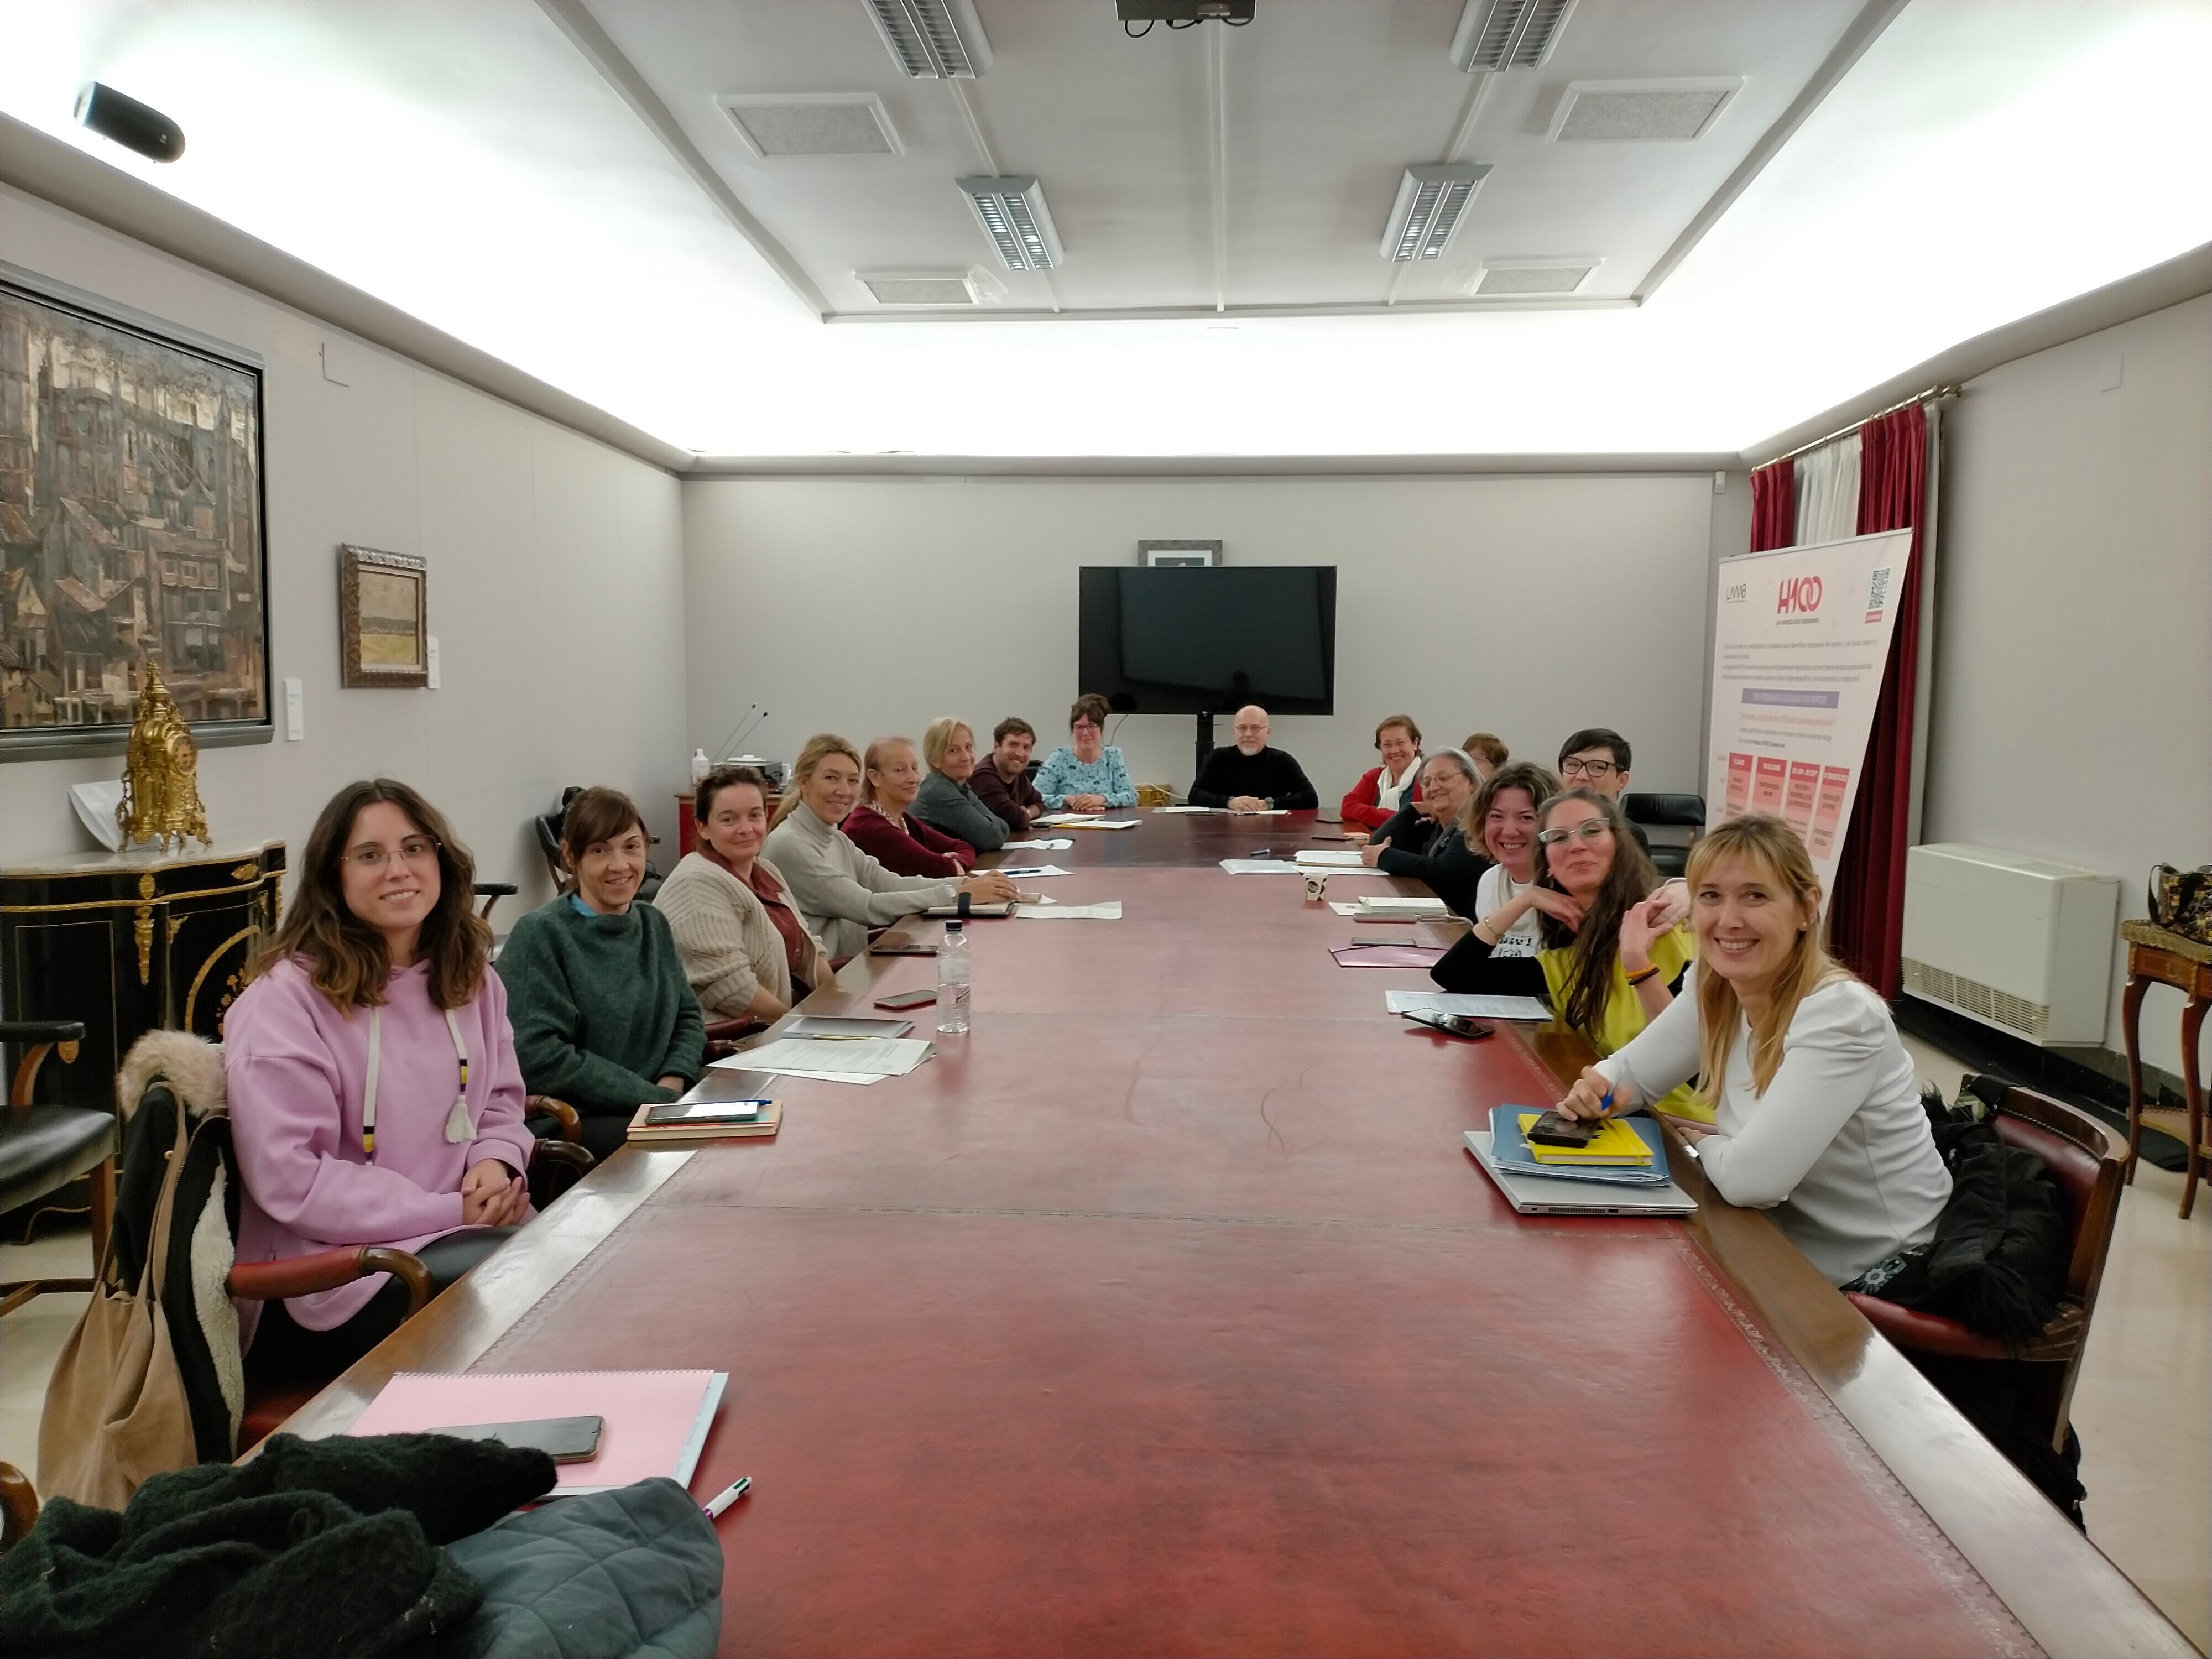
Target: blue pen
(1605, 1106)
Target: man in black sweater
(1248, 776)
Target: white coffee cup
(1317, 884)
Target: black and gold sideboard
(128, 943)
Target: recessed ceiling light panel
(777, 127)
(1503, 34)
(1012, 213)
(1640, 111)
(1431, 201)
(932, 39)
(1560, 274)
(917, 288)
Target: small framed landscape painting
(1179, 553)
(383, 619)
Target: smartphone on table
(563, 1439)
(1458, 1025)
(903, 1000)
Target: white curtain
(1828, 492)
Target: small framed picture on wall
(1179, 553)
(383, 619)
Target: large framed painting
(131, 525)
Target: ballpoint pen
(729, 1495)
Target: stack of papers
(1060, 845)
(1510, 1147)
(1474, 1007)
(1388, 904)
(1105, 911)
(1105, 823)
(1061, 820)
(861, 1059)
(1156, 809)
(1329, 859)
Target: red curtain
(1866, 916)
(1774, 507)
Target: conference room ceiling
(559, 184)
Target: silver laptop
(1540, 1195)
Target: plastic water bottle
(700, 767)
(953, 980)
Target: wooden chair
(43, 1148)
(491, 892)
(19, 1506)
(2085, 1164)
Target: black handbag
(2181, 901)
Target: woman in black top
(1424, 840)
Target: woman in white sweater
(1817, 1115)
(841, 891)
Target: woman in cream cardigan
(743, 946)
(840, 891)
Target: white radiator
(2013, 942)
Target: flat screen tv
(1208, 639)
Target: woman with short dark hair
(375, 1096)
(604, 1016)
(745, 949)
(1084, 774)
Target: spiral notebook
(656, 1421)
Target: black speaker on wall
(134, 125)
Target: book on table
(1510, 1146)
(844, 1028)
(1615, 1142)
(705, 1119)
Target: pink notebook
(656, 1421)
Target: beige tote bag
(116, 1411)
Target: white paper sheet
(743, 1063)
(1105, 911)
(800, 1057)
(1024, 871)
(1047, 845)
(1186, 809)
(1390, 905)
(1474, 1007)
(1063, 818)
(1260, 868)
(1107, 824)
(1328, 859)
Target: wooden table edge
(2065, 1592)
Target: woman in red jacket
(883, 827)
(1384, 789)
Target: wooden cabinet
(130, 942)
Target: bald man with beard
(1248, 776)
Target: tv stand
(1204, 742)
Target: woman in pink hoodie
(375, 1096)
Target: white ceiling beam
(574, 20)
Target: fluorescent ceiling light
(932, 39)
(1012, 213)
(1503, 34)
(1431, 201)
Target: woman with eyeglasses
(1422, 840)
(1084, 774)
(1611, 954)
(374, 1095)
(605, 1016)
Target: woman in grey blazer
(947, 801)
(842, 893)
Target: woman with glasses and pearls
(1814, 1114)
(1612, 955)
(604, 1017)
(375, 1096)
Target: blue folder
(1510, 1150)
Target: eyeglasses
(416, 850)
(1588, 829)
(1576, 766)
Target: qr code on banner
(1878, 593)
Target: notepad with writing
(656, 1421)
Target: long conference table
(1165, 1312)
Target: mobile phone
(902, 950)
(563, 1439)
(1458, 1025)
(1553, 1130)
(920, 999)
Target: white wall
(2072, 714)
(556, 586)
(1526, 606)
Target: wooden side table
(2156, 956)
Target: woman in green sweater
(603, 1016)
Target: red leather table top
(1164, 1312)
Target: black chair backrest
(1679, 811)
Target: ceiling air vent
(1640, 111)
(777, 127)
(917, 288)
(1431, 201)
(1504, 35)
(932, 39)
(1516, 278)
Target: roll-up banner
(1799, 645)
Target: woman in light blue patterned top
(1084, 775)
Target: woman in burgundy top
(880, 827)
